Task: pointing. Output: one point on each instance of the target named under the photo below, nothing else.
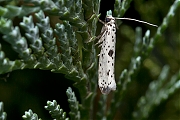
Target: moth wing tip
(107, 90)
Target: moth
(107, 42)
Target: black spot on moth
(108, 72)
(110, 53)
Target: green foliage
(3, 114)
(11, 11)
(30, 116)
(52, 35)
(55, 111)
(120, 7)
(73, 104)
(158, 91)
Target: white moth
(107, 56)
(107, 42)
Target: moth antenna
(137, 21)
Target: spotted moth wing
(106, 80)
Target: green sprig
(55, 110)
(158, 91)
(3, 114)
(73, 104)
(29, 115)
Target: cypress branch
(3, 115)
(55, 110)
(29, 115)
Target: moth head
(109, 19)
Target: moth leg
(102, 34)
(101, 21)
(100, 45)
(92, 39)
(116, 25)
(98, 37)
